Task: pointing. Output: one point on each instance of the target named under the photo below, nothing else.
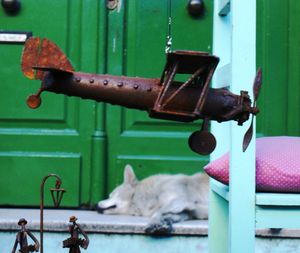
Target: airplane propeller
(203, 142)
(254, 110)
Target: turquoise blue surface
(106, 243)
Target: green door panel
(150, 145)
(22, 182)
(278, 53)
(189, 33)
(147, 165)
(31, 141)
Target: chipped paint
(114, 45)
(119, 6)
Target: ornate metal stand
(57, 194)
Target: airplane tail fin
(40, 55)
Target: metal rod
(166, 86)
(202, 98)
(57, 185)
(198, 72)
(168, 47)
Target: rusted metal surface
(137, 93)
(74, 242)
(51, 57)
(202, 142)
(200, 66)
(21, 239)
(163, 98)
(40, 55)
(34, 101)
(30, 56)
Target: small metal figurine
(21, 239)
(74, 241)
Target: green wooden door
(278, 52)
(136, 41)
(136, 44)
(62, 134)
(89, 143)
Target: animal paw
(163, 228)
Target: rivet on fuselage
(77, 79)
(105, 82)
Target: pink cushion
(277, 165)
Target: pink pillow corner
(277, 165)
(219, 169)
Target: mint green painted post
(218, 223)
(236, 211)
(242, 164)
(234, 43)
(218, 209)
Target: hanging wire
(168, 47)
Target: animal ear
(129, 176)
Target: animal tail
(41, 55)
